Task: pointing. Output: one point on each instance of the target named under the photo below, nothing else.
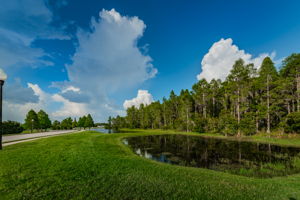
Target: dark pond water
(102, 130)
(243, 158)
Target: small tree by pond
(81, 122)
(89, 122)
(117, 123)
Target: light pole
(31, 125)
(3, 78)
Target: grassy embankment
(91, 165)
(274, 138)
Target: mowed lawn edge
(90, 165)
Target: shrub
(292, 123)
(228, 125)
(11, 127)
(247, 125)
(200, 125)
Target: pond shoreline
(252, 159)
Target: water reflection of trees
(215, 154)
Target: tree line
(68, 123)
(248, 101)
(40, 121)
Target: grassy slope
(289, 140)
(98, 166)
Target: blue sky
(76, 57)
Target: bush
(56, 125)
(247, 125)
(213, 125)
(292, 123)
(11, 127)
(228, 125)
(200, 125)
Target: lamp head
(3, 76)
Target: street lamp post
(3, 78)
(31, 125)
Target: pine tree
(267, 77)
(89, 122)
(81, 122)
(186, 102)
(238, 80)
(200, 92)
(132, 117)
(248, 101)
(291, 71)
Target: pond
(236, 157)
(103, 130)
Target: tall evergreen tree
(291, 71)
(89, 122)
(81, 122)
(186, 102)
(200, 92)
(247, 102)
(267, 81)
(238, 80)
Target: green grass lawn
(91, 165)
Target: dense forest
(249, 101)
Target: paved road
(7, 140)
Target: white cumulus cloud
(107, 60)
(218, 62)
(143, 97)
(108, 57)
